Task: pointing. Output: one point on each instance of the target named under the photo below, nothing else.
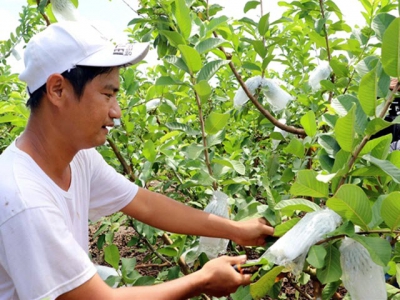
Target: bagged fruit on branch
(212, 247)
(362, 277)
(291, 249)
(276, 96)
(321, 72)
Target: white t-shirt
(44, 229)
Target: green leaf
(111, 256)
(250, 5)
(345, 130)
(144, 280)
(242, 293)
(216, 122)
(167, 80)
(281, 229)
(210, 44)
(193, 151)
(177, 62)
(168, 251)
(263, 24)
(127, 265)
(380, 23)
(306, 184)
(347, 102)
(309, 123)
(332, 270)
(182, 15)
(295, 147)
(351, 203)
(316, 256)
(386, 166)
(182, 127)
(390, 210)
(203, 89)
(260, 288)
(391, 49)
(149, 151)
(209, 69)
(288, 207)
(191, 57)
(329, 290)
(378, 147)
(378, 124)
(367, 92)
(216, 22)
(173, 37)
(233, 164)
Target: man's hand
(220, 278)
(252, 232)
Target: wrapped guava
(291, 249)
(362, 278)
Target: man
(53, 180)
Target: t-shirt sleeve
(42, 258)
(109, 190)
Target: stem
(328, 50)
(263, 111)
(127, 169)
(127, 4)
(340, 236)
(303, 293)
(148, 244)
(184, 267)
(364, 141)
(203, 136)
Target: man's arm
(217, 278)
(164, 213)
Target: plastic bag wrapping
(217, 206)
(252, 85)
(291, 249)
(64, 10)
(276, 96)
(363, 279)
(284, 133)
(319, 73)
(212, 247)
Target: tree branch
(263, 111)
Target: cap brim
(117, 55)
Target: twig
(148, 244)
(184, 267)
(341, 236)
(127, 4)
(127, 169)
(303, 293)
(203, 135)
(144, 266)
(364, 141)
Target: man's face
(96, 109)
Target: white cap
(65, 45)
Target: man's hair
(79, 77)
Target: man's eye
(108, 95)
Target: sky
(114, 15)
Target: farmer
(52, 181)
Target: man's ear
(55, 88)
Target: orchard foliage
(181, 134)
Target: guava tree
(281, 114)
